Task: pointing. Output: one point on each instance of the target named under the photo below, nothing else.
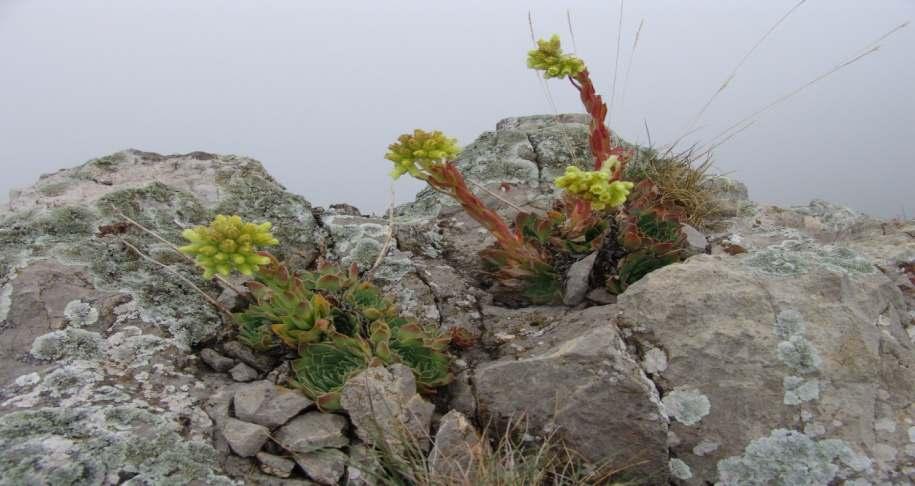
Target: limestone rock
(218, 404)
(245, 439)
(363, 468)
(324, 466)
(243, 373)
(246, 355)
(576, 379)
(215, 360)
(578, 280)
(696, 241)
(793, 337)
(313, 431)
(601, 296)
(457, 450)
(275, 465)
(269, 405)
(383, 404)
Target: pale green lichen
(356, 240)
(798, 390)
(252, 194)
(80, 314)
(70, 343)
(798, 354)
(680, 469)
(796, 257)
(654, 361)
(788, 457)
(687, 405)
(6, 292)
(364, 252)
(789, 323)
(101, 445)
(66, 222)
(833, 216)
(156, 206)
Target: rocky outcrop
(103, 338)
(785, 356)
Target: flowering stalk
(600, 138)
(446, 179)
(424, 156)
(549, 58)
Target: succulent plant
(652, 235)
(322, 369)
(335, 322)
(568, 232)
(228, 244)
(338, 325)
(284, 309)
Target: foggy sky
(317, 90)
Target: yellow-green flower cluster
(548, 57)
(595, 186)
(412, 153)
(228, 244)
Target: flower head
(413, 153)
(595, 186)
(228, 244)
(549, 58)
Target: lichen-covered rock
(101, 445)
(384, 406)
(98, 384)
(790, 457)
(573, 377)
(777, 356)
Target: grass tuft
(682, 179)
(512, 458)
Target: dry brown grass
(682, 179)
(513, 459)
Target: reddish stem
(600, 139)
(446, 178)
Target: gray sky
(317, 90)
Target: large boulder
(567, 374)
(788, 363)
